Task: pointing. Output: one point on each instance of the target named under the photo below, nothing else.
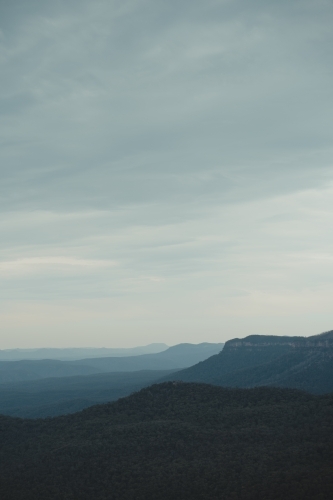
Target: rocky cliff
(261, 360)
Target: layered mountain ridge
(173, 358)
(76, 353)
(45, 388)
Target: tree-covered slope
(295, 362)
(175, 441)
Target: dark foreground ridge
(175, 441)
(304, 363)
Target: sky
(166, 171)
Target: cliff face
(257, 341)
(298, 362)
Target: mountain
(258, 360)
(180, 355)
(76, 353)
(175, 440)
(176, 357)
(50, 397)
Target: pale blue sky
(166, 171)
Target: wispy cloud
(42, 264)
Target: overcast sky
(166, 170)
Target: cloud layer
(166, 170)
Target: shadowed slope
(175, 440)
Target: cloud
(152, 151)
(40, 264)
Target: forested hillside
(297, 362)
(175, 441)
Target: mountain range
(187, 438)
(175, 357)
(47, 388)
(75, 353)
(259, 360)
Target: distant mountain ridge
(76, 353)
(173, 358)
(265, 360)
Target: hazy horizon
(166, 171)
(133, 346)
